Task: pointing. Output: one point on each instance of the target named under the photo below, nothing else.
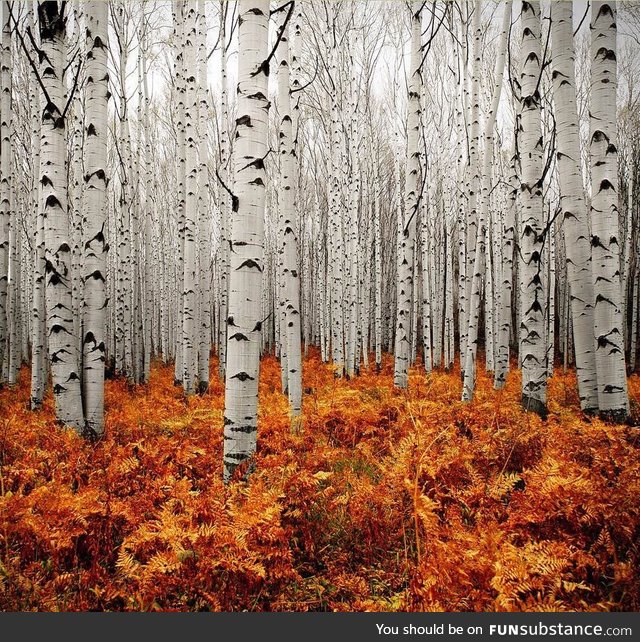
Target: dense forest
(319, 305)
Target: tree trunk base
(535, 405)
(617, 416)
(203, 386)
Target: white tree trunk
(204, 218)
(225, 205)
(407, 224)
(533, 335)
(574, 209)
(63, 345)
(190, 291)
(5, 177)
(291, 280)
(94, 215)
(613, 399)
(247, 241)
(480, 228)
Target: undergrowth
(385, 500)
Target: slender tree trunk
(247, 241)
(291, 280)
(480, 228)
(573, 206)
(224, 198)
(204, 221)
(5, 178)
(94, 215)
(407, 225)
(63, 345)
(533, 349)
(189, 294)
(613, 399)
(178, 34)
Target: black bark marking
(243, 376)
(250, 264)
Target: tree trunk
(247, 241)
(94, 215)
(5, 179)
(533, 349)
(407, 224)
(613, 399)
(63, 345)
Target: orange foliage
(387, 500)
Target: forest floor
(386, 500)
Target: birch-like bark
(189, 293)
(126, 215)
(38, 308)
(290, 275)
(574, 209)
(473, 238)
(506, 268)
(247, 241)
(204, 219)
(613, 398)
(224, 198)
(94, 215)
(63, 345)
(533, 349)
(151, 250)
(5, 177)
(475, 299)
(378, 267)
(179, 73)
(427, 290)
(14, 307)
(407, 224)
(336, 258)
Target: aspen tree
(94, 215)
(472, 186)
(574, 209)
(224, 197)
(407, 223)
(204, 220)
(5, 177)
(189, 293)
(63, 345)
(244, 323)
(613, 398)
(38, 309)
(179, 72)
(533, 348)
(481, 225)
(290, 275)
